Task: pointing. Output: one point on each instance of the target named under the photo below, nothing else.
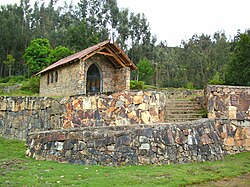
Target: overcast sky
(174, 20)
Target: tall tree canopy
(198, 60)
(238, 72)
(37, 55)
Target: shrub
(32, 85)
(12, 79)
(5, 79)
(136, 85)
(216, 80)
(190, 85)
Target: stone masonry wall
(228, 102)
(122, 108)
(107, 72)
(122, 79)
(141, 144)
(22, 115)
(67, 84)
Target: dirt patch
(240, 181)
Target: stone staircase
(178, 110)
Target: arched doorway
(94, 79)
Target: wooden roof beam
(107, 54)
(116, 58)
(91, 54)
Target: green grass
(19, 93)
(17, 170)
(29, 86)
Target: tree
(37, 55)
(238, 72)
(59, 53)
(145, 71)
(9, 62)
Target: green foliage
(190, 86)
(136, 85)
(22, 171)
(80, 26)
(10, 61)
(37, 55)
(32, 85)
(238, 72)
(216, 80)
(59, 53)
(12, 79)
(145, 71)
(28, 86)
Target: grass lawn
(17, 170)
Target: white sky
(174, 20)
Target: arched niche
(94, 79)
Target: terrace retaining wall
(201, 140)
(22, 115)
(228, 102)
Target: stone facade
(113, 80)
(69, 81)
(73, 77)
(228, 102)
(203, 140)
(101, 68)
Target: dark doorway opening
(93, 79)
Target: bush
(33, 85)
(136, 85)
(190, 86)
(12, 79)
(216, 80)
(5, 79)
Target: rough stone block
(145, 146)
(145, 117)
(229, 141)
(138, 99)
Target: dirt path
(240, 181)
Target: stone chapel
(102, 68)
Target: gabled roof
(117, 57)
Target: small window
(52, 77)
(48, 78)
(56, 76)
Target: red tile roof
(113, 50)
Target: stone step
(180, 119)
(184, 108)
(178, 110)
(182, 101)
(183, 104)
(184, 112)
(183, 115)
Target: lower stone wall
(200, 140)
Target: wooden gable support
(93, 53)
(116, 58)
(107, 54)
